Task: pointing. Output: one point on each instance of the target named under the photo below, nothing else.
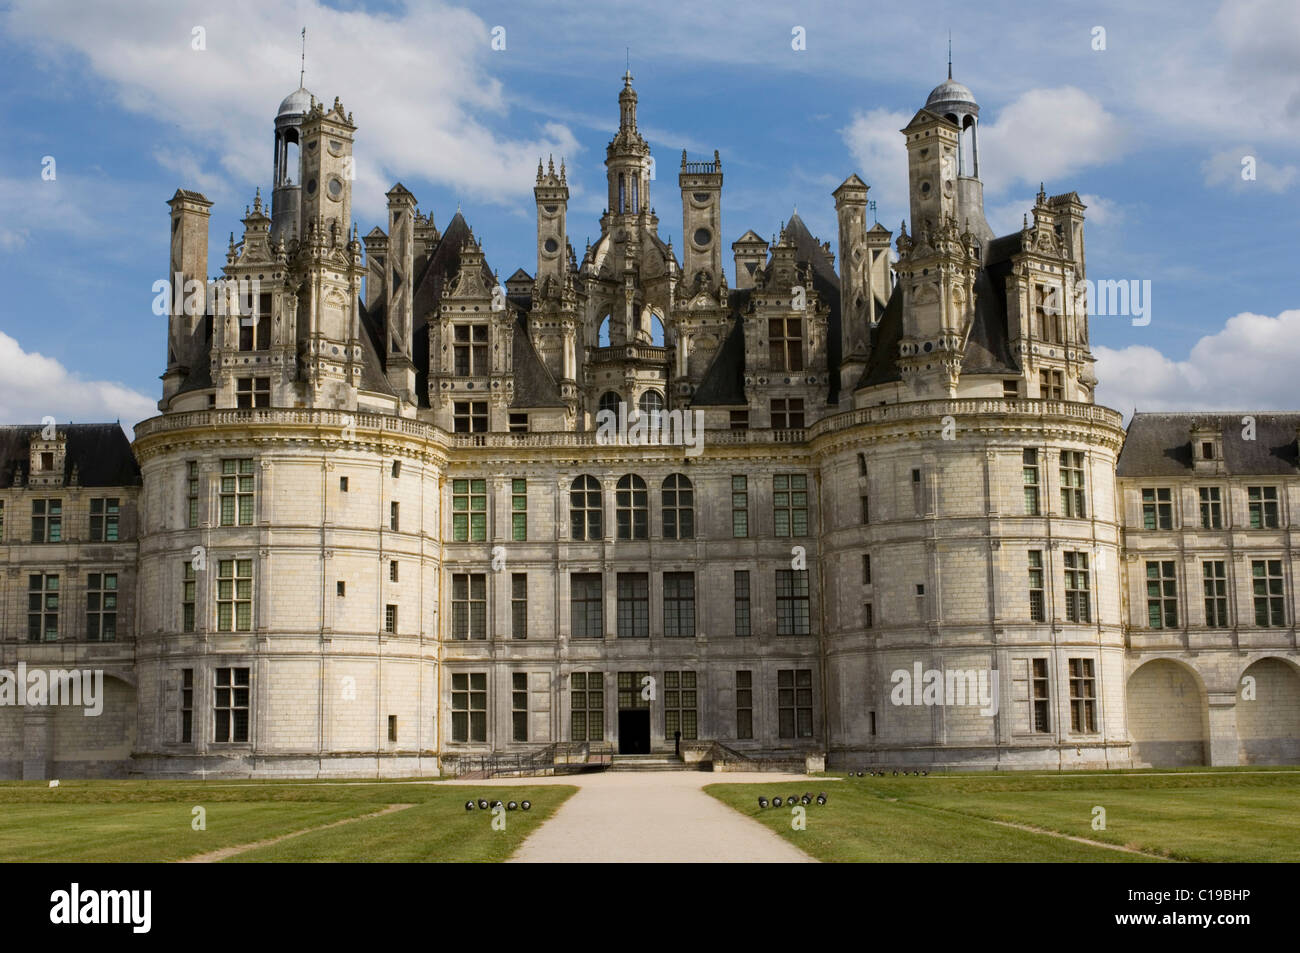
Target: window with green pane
(468, 510)
(790, 504)
(519, 510)
(1266, 579)
(1029, 463)
(469, 706)
(1162, 595)
(192, 493)
(739, 507)
(235, 595)
(587, 707)
(189, 586)
(680, 711)
(101, 606)
(237, 492)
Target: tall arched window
(651, 403)
(632, 508)
(610, 401)
(585, 508)
(678, 507)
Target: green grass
(147, 821)
(1181, 815)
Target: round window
(925, 188)
(551, 245)
(701, 197)
(550, 209)
(335, 188)
(703, 236)
(311, 186)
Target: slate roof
(723, 383)
(101, 453)
(827, 285)
(1160, 444)
(534, 385)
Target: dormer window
(470, 350)
(46, 458)
(1207, 450)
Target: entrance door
(634, 732)
(633, 713)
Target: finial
(950, 54)
(550, 165)
(302, 66)
(1025, 220)
(562, 174)
(627, 78)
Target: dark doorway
(634, 731)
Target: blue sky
(1151, 130)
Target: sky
(1178, 123)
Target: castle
(372, 530)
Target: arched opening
(286, 158)
(622, 193)
(585, 508)
(678, 505)
(651, 403)
(99, 746)
(632, 508)
(602, 331)
(1268, 713)
(657, 335)
(609, 401)
(1168, 719)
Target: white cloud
(880, 152)
(36, 386)
(1226, 168)
(1249, 365)
(435, 123)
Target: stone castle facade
(375, 528)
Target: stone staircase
(650, 762)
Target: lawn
(1193, 816)
(151, 821)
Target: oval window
(311, 186)
(703, 236)
(925, 188)
(551, 245)
(336, 147)
(335, 188)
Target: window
(1266, 577)
(868, 615)
(519, 510)
(609, 401)
(785, 344)
(585, 508)
(518, 605)
(189, 587)
(787, 413)
(585, 605)
(866, 569)
(740, 586)
(255, 330)
(252, 392)
(1207, 450)
(2, 521)
(192, 494)
(678, 507)
(469, 416)
(790, 504)
(631, 686)
(470, 346)
(680, 701)
(392, 727)
(744, 705)
(633, 605)
(519, 423)
(792, 602)
(397, 469)
(1262, 502)
(469, 706)
(237, 492)
(865, 505)
(651, 403)
(587, 707)
(1037, 597)
(1039, 687)
(794, 702)
(341, 589)
(42, 607)
(1157, 508)
(740, 420)
(468, 605)
(1215, 583)
(187, 705)
(1211, 507)
(392, 570)
(679, 605)
(1078, 604)
(1162, 595)
(390, 618)
(47, 521)
(230, 705)
(862, 464)
(1029, 463)
(1072, 484)
(519, 706)
(468, 510)
(394, 516)
(1048, 313)
(343, 484)
(1051, 385)
(101, 607)
(1083, 695)
(632, 507)
(1010, 388)
(235, 595)
(739, 507)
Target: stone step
(648, 762)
